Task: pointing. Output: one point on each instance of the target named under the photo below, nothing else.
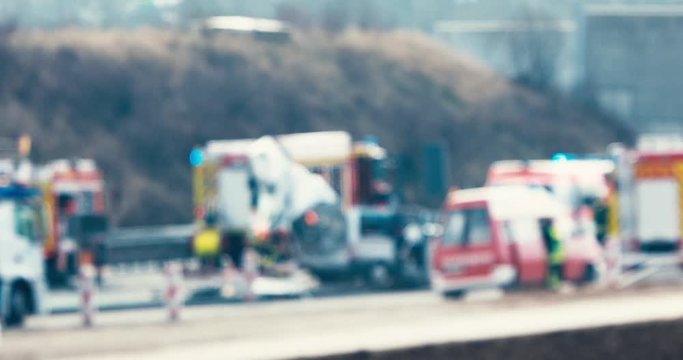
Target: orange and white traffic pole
(86, 280)
(250, 273)
(613, 265)
(230, 276)
(174, 300)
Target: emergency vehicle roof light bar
(196, 157)
(85, 165)
(568, 156)
(17, 192)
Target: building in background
(624, 54)
(633, 60)
(537, 51)
(526, 40)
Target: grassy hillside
(138, 101)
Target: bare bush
(138, 101)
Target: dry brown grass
(139, 100)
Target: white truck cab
(21, 254)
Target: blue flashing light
(18, 192)
(370, 139)
(561, 157)
(196, 157)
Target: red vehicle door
(529, 255)
(467, 250)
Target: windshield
(372, 181)
(380, 224)
(467, 227)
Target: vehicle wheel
(379, 276)
(17, 307)
(590, 274)
(513, 285)
(454, 295)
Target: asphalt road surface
(316, 327)
(335, 319)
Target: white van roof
(507, 202)
(558, 167)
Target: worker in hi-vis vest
(553, 245)
(207, 243)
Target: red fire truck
(73, 194)
(658, 199)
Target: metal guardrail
(8, 148)
(124, 246)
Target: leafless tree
(6, 57)
(368, 15)
(335, 17)
(535, 44)
(295, 15)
